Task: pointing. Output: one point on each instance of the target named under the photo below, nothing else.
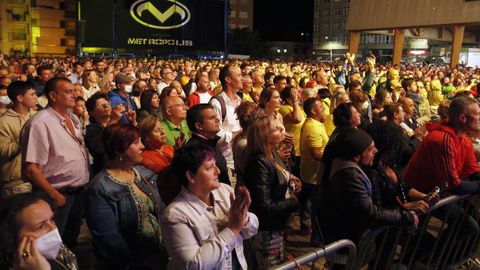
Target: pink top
(60, 155)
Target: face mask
(4, 100)
(128, 88)
(49, 244)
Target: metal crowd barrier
(313, 256)
(445, 238)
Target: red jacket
(194, 98)
(442, 159)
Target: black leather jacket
(267, 189)
(347, 210)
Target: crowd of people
(196, 164)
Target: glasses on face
(104, 105)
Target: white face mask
(49, 244)
(4, 100)
(128, 88)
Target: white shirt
(197, 236)
(204, 97)
(227, 126)
(61, 156)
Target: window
(326, 12)
(243, 15)
(346, 10)
(335, 26)
(336, 12)
(324, 27)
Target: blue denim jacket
(114, 220)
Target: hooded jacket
(442, 159)
(10, 155)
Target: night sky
(283, 20)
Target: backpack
(223, 106)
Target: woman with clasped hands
(205, 226)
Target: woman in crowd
(214, 77)
(268, 180)
(390, 191)
(138, 88)
(345, 115)
(29, 238)
(168, 92)
(150, 105)
(158, 157)
(381, 99)
(270, 102)
(293, 118)
(246, 112)
(89, 83)
(123, 207)
(205, 226)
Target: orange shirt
(159, 162)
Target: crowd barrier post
(440, 240)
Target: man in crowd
(167, 78)
(445, 158)
(44, 74)
(24, 100)
(280, 82)
(174, 124)
(247, 90)
(204, 124)
(121, 96)
(225, 104)
(313, 139)
(257, 80)
(55, 159)
(76, 75)
(321, 78)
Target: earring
(192, 181)
(121, 158)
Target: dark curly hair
(388, 141)
(9, 227)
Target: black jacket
(93, 140)
(267, 189)
(220, 159)
(346, 208)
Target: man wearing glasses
(175, 126)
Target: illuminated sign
(175, 16)
(417, 52)
(155, 26)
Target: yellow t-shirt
(291, 127)
(329, 126)
(247, 97)
(313, 134)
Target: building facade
(330, 35)
(38, 27)
(241, 14)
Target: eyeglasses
(104, 105)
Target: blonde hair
(258, 135)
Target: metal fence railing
(446, 237)
(313, 256)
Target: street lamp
(329, 48)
